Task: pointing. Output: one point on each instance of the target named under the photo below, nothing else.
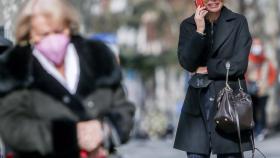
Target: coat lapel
(224, 28)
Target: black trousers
(259, 106)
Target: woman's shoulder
(189, 20)
(233, 15)
(188, 24)
(15, 68)
(95, 48)
(16, 59)
(102, 59)
(240, 17)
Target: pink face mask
(54, 47)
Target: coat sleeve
(20, 129)
(238, 61)
(26, 133)
(122, 115)
(190, 47)
(121, 111)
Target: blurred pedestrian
(261, 76)
(60, 93)
(209, 39)
(5, 44)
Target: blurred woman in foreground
(61, 94)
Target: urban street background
(144, 34)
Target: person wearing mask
(209, 39)
(61, 94)
(260, 76)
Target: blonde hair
(60, 10)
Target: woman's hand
(202, 70)
(200, 13)
(90, 135)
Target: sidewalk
(163, 149)
(270, 147)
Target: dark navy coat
(231, 42)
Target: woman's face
(41, 26)
(214, 6)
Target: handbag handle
(240, 87)
(227, 67)
(227, 85)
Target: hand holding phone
(200, 14)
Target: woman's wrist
(202, 70)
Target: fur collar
(16, 65)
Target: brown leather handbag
(235, 111)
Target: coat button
(90, 104)
(211, 99)
(66, 99)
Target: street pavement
(163, 149)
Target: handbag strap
(253, 142)
(235, 112)
(254, 148)
(237, 120)
(239, 134)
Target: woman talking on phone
(209, 39)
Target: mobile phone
(199, 3)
